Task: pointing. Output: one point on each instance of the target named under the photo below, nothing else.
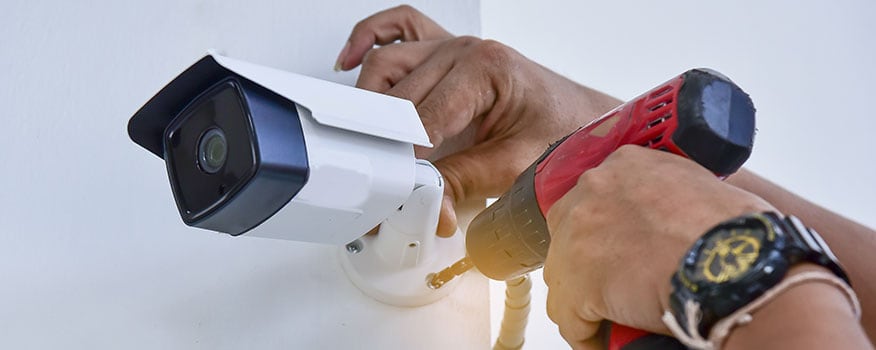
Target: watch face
(733, 264)
(729, 255)
(730, 251)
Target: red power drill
(701, 115)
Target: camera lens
(212, 150)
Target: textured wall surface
(93, 254)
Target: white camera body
(257, 151)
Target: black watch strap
(812, 247)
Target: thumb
(447, 222)
(484, 170)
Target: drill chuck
(510, 238)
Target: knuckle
(405, 8)
(371, 77)
(567, 332)
(570, 213)
(404, 94)
(551, 307)
(368, 61)
(409, 18)
(547, 275)
(430, 111)
(494, 51)
(587, 310)
(362, 26)
(555, 215)
(440, 109)
(453, 180)
(628, 151)
(374, 57)
(379, 65)
(592, 179)
(465, 41)
(408, 13)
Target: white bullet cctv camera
(263, 152)
(256, 151)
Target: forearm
(853, 243)
(812, 315)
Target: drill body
(699, 114)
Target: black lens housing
(198, 186)
(265, 163)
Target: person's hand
(490, 108)
(619, 235)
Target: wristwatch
(738, 260)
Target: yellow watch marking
(742, 250)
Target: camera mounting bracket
(393, 265)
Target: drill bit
(437, 280)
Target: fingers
(384, 67)
(448, 90)
(480, 83)
(403, 23)
(486, 169)
(573, 288)
(461, 96)
(445, 55)
(594, 343)
(578, 332)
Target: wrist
(742, 266)
(809, 315)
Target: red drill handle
(700, 115)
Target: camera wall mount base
(393, 266)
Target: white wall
(808, 65)
(93, 254)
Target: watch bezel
(724, 298)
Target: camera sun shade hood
(330, 104)
(359, 148)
